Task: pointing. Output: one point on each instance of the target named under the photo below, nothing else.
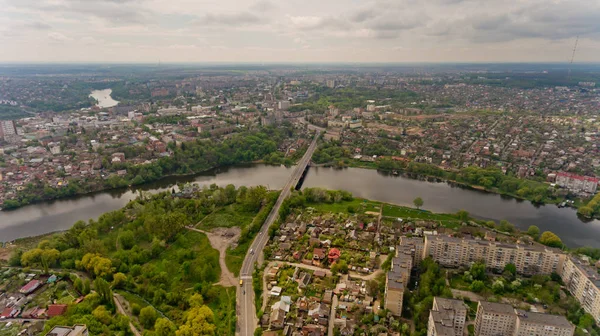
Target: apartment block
(528, 259)
(528, 324)
(584, 284)
(396, 282)
(413, 245)
(7, 129)
(447, 317)
(577, 183)
(495, 319)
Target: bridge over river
(246, 311)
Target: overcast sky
(298, 30)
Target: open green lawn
(390, 210)
(359, 206)
(228, 216)
(234, 258)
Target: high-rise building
(584, 284)
(284, 105)
(396, 282)
(331, 83)
(577, 183)
(494, 319)
(528, 259)
(542, 324)
(7, 129)
(447, 317)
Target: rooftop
(545, 319)
(493, 307)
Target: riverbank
(439, 197)
(398, 170)
(189, 159)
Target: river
(439, 197)
(103, 97)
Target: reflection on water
(438, 196)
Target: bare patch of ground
(220, 239)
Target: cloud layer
(298, 31)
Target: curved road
(246, 311)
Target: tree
(533, 231)
(339, 267)
(102, 314)
(95, 264)
(498, 286)
(418, 202)
(510, 268)
(102, 287)
(585, 211)
(478, 271)
(196, 300)
(372, 288)
(548, 238)
(148, 317)
(127, 239)
(135, 309)
(198, 321)
(463, 215)
(477, 286)
(119, 280)
(586, 321)
(42, 257)
(506, 226)
(164, 327)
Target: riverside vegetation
(189, 158)
(144, 252)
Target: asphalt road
(246, 312)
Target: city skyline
(183, 31)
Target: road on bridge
(246, 311)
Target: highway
(246, 311)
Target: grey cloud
(263, 6)
(114, 11)
(393, 25)
(550, 21)
(363, 15)
(236, 19)
(37, 26)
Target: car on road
(251, 251)
(241, 282)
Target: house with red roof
(56, 310)
(333, 255)
(30, 287)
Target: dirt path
(220, 239)
(118, 298)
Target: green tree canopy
(548, 238)
(418, 202)
(533, 231)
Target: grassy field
(228, 216)
(405, 212)
(224, 308)
(358, 205)
(234, 258)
